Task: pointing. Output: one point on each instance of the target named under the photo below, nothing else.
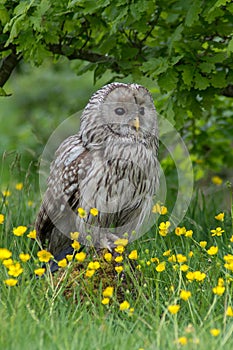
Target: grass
(41, 313)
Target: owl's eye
(142, 110)
(119, 111)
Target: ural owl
(111, 165)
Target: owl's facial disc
(127, 119)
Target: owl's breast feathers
(115, 179)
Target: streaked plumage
(111, 165)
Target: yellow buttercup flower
(133, 255)
(69, 257)
(119, 259)
(119, 269)
(182, 340)
(161, 266)
(8, 262)
(108, 292)
(94, 211)
(203, 244)
(173, 309)
(180, 258)
(156, 208)
(19, 231)
(30, 203)
(32, 234)
(167, 252)
(217, 180)
(184, 268)
(185, 294)
(119, 249)
(220, 217)
(179, 231)
(80, 257)
(89, 273)
(199, 276)
(62, 263)
(76, 245)
(74, 236)
(215, 332)
(212, 250)
(82, 213)
(105, 301)
(1, 219)
(5, 253)
(221, 282)
(219, 290)
(93, 265)
(228, 258)
(217, 232)
(229, 311)
(160, 209)
(15, 269)
(121, 242)
(231, 239)
(172, 258)
(125, 305)
(11, 282)
(190, 254)
(108, 257)
(189, 233)
(163, 210)
(163, 228)
(24, 257)
(131, 311)
(229, 266)
(40, 271)
(196, 275)
(44, 256)
(6, 193)
(19, 186)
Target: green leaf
(176, 59)
(218, 80)
(230, 46)
(4, 16)
(213, 14)
(168, 81)
(176, 36)
(206, 67)
(187, 74)
(15, 29)
(201, 82)
(155, 66)
(3, 92)
(169, 112)
(193, 13)
(218, 57)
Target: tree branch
(8, 65)
(58, 49)
(228, 91)
(83, 55)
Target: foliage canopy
(184, 46)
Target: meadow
(170, 289)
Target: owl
(110, 164)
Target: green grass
(36, 314)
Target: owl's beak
(136, 123)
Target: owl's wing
(62, 193)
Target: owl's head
(121, 111)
